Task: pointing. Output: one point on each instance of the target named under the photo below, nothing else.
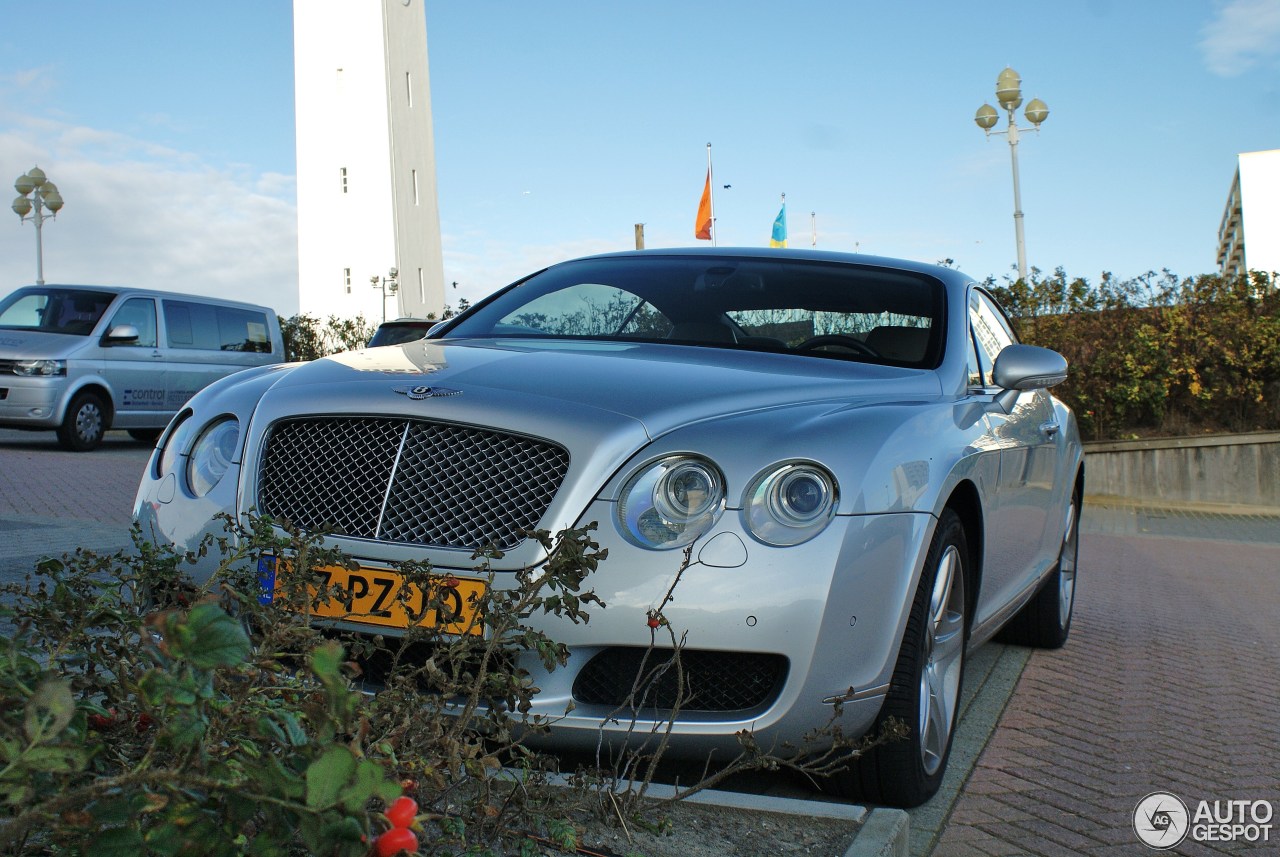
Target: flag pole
(711, 179)
(813, 221)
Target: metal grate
(714, 681)
(408, 481)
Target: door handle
(1050, 429)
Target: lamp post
(37, 194)
(1009, 94)
(388, 284)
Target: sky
(559, 125)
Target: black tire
(149, 436)
(1045, 621)
(926, 685)
(84, 424)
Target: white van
(83, 359)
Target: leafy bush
(137, 717)
(1157, 355)
(141, 714)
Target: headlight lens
(790, 504)
(212, 455)
(671, 502)
(40, 368)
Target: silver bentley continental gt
(864, 465)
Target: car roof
(152, 293)
(791, 254)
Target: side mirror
(1026, 367)
(121, 334)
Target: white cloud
(139, 214)
(1243, 34)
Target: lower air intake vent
(714, 681)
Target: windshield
(54, 310)
(820, 309)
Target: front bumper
(833, 609)
(30, 402)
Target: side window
(990, 333)
(191, 325)
(242, 330)
(141, 313)
(976, 374)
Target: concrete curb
(881, 832)
(885, 833)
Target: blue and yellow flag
(779, 237)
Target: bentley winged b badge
(420, 392)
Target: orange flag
(702, 226)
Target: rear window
(215, 328)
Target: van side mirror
(121, 334)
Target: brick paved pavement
(53, 501)
(1170, 682)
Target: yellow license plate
(372, 596)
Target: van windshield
(54, 310)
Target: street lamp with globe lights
(37, 194)
(1009, 94)
(389, 284)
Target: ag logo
(420, 392)
(1161, 820)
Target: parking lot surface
(1169, 683)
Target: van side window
(215, 328)
(242, 330)
(141, 313)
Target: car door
(135, 370)
(1023, 437)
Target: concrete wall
(1240, 469)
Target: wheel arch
(967, 504)
(104, 396)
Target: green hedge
(1158, 355)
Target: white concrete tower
(366, 160)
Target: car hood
(602, 402)
(659, 387)
(37, 344)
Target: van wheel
(85, 423)
(145, 435)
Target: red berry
(654, 621)
(452, 582)
(394, 841)
(100, 722)
(402, 812)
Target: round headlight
(671, 502)
(212, 455)
(790, 504)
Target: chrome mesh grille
(408, 481)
